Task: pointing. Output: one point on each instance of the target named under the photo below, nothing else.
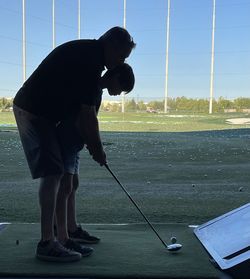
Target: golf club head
(173, 247)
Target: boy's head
(119, 79)
(118, 45)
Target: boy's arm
(88, 127)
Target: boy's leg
(75, 231)
(61, 217)
(71, 145)
(72, 222)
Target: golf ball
(173, 239)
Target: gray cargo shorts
(40, 144)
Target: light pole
(212, 64)
(53, 25)
(24, 41)
(166, 67)
(79, 19)
(124, 26)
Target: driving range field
(197, 169)
(180, 169)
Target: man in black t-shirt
(66, 82)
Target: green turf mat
(124, 251)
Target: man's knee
(51, 180)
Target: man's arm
(88, 127)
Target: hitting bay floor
(125, 251)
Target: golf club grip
(135, 204)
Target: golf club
(170, 247)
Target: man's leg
(63, 195)
(48, 248)
(43, 155)
(47, 198)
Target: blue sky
(189, 52)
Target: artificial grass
(125, 251)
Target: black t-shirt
(68, 77)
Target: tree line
(174, 104)
(181, 104)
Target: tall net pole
(24, 40)
(79, 19)
(124, 26)
(53, 25)
(212, 64)
(166, 67)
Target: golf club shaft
(138, 208)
